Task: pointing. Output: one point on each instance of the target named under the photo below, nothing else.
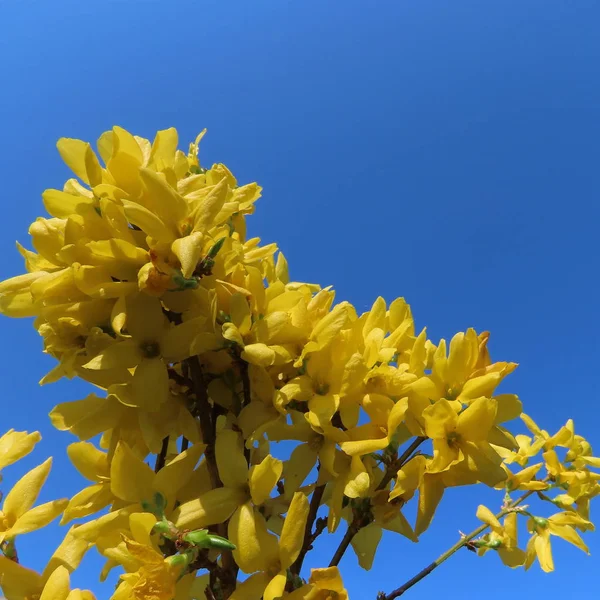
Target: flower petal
(25, 492)
(131, 478)
(292, 534)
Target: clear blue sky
(442, 151)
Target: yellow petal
(509, 407)
(38, 517)
(58, 585)
(87, 502)
(81, 159)
(150, 384)
(487, 516)
(164, 147)
(167, 203)
(327, 329)
(250, 589)
(211, 508)
(81, 595)
(189, 251)
(440, 418)
(292, 534)
(121, 354)
(171, 478)
(358, 481)
(256, 549)
(25, 492)
(147, 221)
(62, 205)
(409, 478)
(240, 313)
(475, 422)
(263, 478)
(231, 462)
(259, 354)
(276, 586)
(568, 534)
(209, 206)
(69, 553)
(86, 418)
(543, 549)
(365, 544)
(327, 579)
(375, 317)
(17, 581)
(431, 491)
(88, 460)
(297, 467)
(131, 478)
(14, 445)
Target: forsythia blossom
(143, 282)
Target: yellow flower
(17, 515)
(562, 525)
(385, 515)
(154, 579)
(153, 344)
(523, 480)
(465, 373)
(503, 538)
(385, 419)
(19, 583)
(240, 484)
(259, 550)
(93, 465)
(14, 445)
(324, 584)
(137, 427)
(527, 447)
(463, 435)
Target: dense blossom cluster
(275, 413)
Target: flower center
(150, 349)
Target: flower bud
(202, 539)
(180, 560)
(198, 538)
(164, 528)
(212, 253)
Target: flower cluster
(274, 412)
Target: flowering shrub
(205, 355)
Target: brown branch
(309, 536)
(352, 530)
(207, 427)
(209, 593)
(359, 521)
(162, 456)
(245, 382)
(463, 542)
(227, 575)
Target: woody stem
(464, 541)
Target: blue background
(442, 151)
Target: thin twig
(350, 533)
(209, 593)
(464, 541)
(207, 427)
(359, 522)
(162, 456)
(309, 536)
(245, 382)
